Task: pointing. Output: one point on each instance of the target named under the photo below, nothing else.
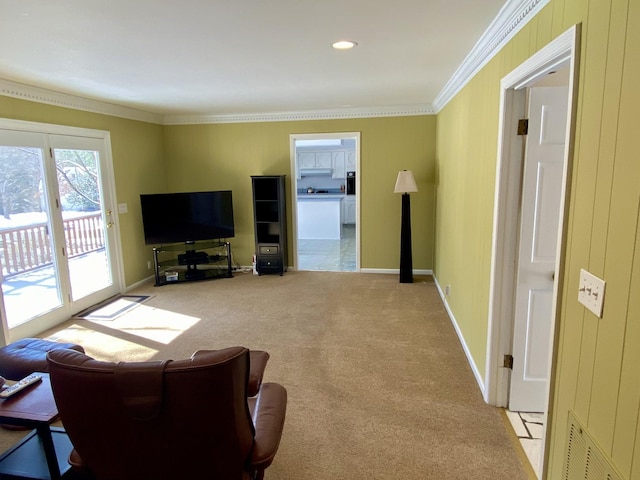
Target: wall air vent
(585, 460)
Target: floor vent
(585, 460)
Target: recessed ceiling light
(344, 45)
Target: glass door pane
(80, 195)
(30, 284)
(58, 253)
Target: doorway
(325, 173)
(558, 58)
(57, 228)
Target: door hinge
(508, 361)
(523, 126)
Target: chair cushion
(28, 355)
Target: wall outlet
(591, 292)
(447, 290)
(148, 264)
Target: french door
(57, 226)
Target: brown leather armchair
(194, 418)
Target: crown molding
(513, 16)
(51, 97)
(326, 114)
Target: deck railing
(27, 248)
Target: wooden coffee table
(43, 453)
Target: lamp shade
(405, 182)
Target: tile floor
(329, 255)
(529, 428)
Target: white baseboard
(392, 271)
(467, 352)
(128, 288)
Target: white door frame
(294, 191)
(560, 53)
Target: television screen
(187, 217)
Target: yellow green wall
(224, 156)
(138, 164)
(150, 158)
(598, 361)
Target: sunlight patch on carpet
(113, 308)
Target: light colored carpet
(379, 387)
(112, 308)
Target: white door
(88, 218)
(57, 242)
(538, 241)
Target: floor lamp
(405, 184)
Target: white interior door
(538, 243)
(58, 244)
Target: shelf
(27, 458)
(267, 211)
(266, 191)
(268, 232)
(211, 259)
(194, 263)
(190, 275)
(191, 247)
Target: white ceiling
(199, 57)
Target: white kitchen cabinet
(323, 160)
(350, 162)
(306, 160)
(338, 165)
(349, 209)
(310, 160)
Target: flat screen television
(187, 217)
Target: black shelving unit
(270, 223)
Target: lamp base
(406, 260)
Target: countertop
(321, 196)
(321, 193)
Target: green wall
(150, 158)
(224, 156)
(597, 362)
(138, 164)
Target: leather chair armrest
(268, 411)
(257, 364)
(77, 463)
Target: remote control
(24, 383)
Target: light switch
(122, 208)
(591, 292)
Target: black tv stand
(213, 257)
(193, 273)
(191, 257)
